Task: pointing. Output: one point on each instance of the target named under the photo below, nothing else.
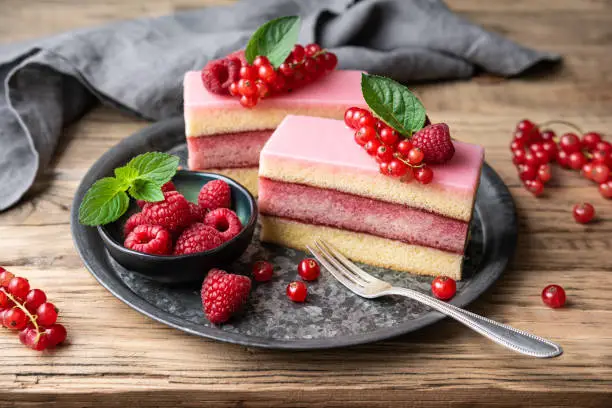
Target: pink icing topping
(339, 87)
(330, 142)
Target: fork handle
(514, 339)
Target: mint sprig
(274, 40)
(143, 178)
(393, 103)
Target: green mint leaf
(155, 166)
(104, 202)
(146, 190)
(125, 176)
(393, 103)
(275, 40)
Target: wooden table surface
(117, 357)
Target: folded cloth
(138, 65)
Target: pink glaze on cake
(340, 87)
(329, 142)
(332, 208)
(227, 150)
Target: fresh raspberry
(174, 213)
(197, 213)
(223, 294)
(435, 143)
(215, 194)
(218, 75)
(239, 55)
(150, 239)
(169, 186)
(132, 222)
(225, 221)
(197, 238)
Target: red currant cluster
(533, 149)
(302, 66)
(396, 156)
(308, 269)
(27, 311)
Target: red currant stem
(407, 163)
(561, 122)
(27, 312)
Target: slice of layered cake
(315, 181)
(224, 137)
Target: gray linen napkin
(138, 65)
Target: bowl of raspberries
(206, 220)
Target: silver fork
(367, 286)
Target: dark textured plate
(332, 316)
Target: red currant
(246, 87)
(261, 60)
(404, 147)
(248, 101)
(4, 300)
(384, 153)
(518, 157)
(248, 72)
(298, 53)
(553, 296)
(310, 66)
(415, 156)
(372, 147)
(586, 171)
(521, 137)
(576, 160)
(443, 287)
(15, 319)
(548, 135)
(604, 147)
(544, 173)
(569, 143)
(47, 314)
(263, 90)
(600, 173)
(542, 157)
(262, 271)
(364, 135)
(56, 334)
(605, 189)
(383, 167)
(348, 116)
(388, 136)
(5, 277)
(600, 156)
(366, 120)
(525, 125)
(527, 173)
(535, 187)
(297, 291)
(233, 89)
(35, 298)
(309, 269)
(583, 213)
(563, 158)
(25, 337)
(278, 84)
(312, 49)
(40, 344)
(590, 140)
(330, 61)
(531, 159)
(397, 168)
(267, 73)
(424, 175)
(19, 287)
(516, 145)
(286, 69)
(550, 148)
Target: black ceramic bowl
(192, 267)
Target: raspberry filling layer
(227, 150)
(333, 208)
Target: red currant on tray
(297, 291)
(309, 269)
(262, 271)
(443, 287)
